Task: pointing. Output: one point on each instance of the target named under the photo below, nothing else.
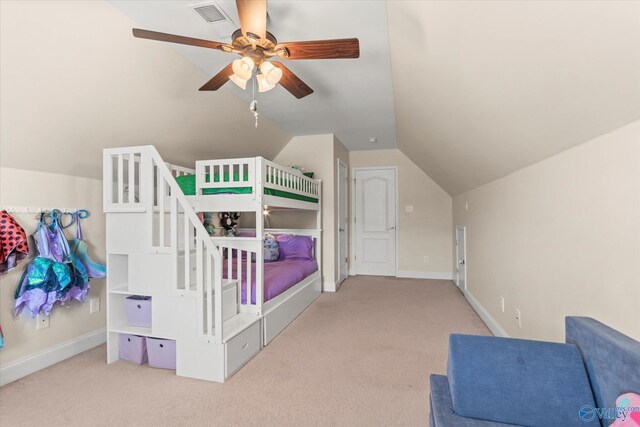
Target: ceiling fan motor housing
(254, 47)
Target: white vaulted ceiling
(469, 90)
(484, 88)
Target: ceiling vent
(210, 13)
(214, 14)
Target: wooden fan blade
(171, 38)
(253, 17)
(219, 79)
(292, 83)
(322, 49)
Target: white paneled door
(461, 258)
(375, 221)
(342, 221)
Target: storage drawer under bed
(241, 348)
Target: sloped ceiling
(73, 81)
(484, 88)
(479, 88)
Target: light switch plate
(94, 305)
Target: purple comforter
(278, 276)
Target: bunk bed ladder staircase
(157, 246)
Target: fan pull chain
(253, 107)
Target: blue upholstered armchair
(495, 381)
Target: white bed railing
(121, 180)
(174, 227)
(287, 179)
(177, 171)
(237, 265)
(228, 173)
(234, 173)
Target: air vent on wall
(210, 13)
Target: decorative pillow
(628, 406)
(271, 249)
(295, 247)
(308, 174)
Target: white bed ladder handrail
(148, 175)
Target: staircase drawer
(241, 348)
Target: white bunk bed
(157, 246)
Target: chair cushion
(442, 414)
(515, 381)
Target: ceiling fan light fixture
(237, 80)
(263, 84)
(243, 68)
(271, 73)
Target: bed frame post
(260, 171)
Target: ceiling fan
(258, 47)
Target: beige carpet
(359, 357)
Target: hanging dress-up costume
(79, 249)
(55, 275)
(13, 247)
(13, 242)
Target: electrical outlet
(43, 322)
(426, 259)
(94, 305)
(502, 304)
(519, 318)
(408, 208)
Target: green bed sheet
(188, 185)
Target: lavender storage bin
(138, 311)
(133, 348)
(162, 353)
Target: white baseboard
(328, 286)
(488, 320)
(45, 358)
(424, 275)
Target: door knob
(340, 229)
(392, 228)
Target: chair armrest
(517, 381)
